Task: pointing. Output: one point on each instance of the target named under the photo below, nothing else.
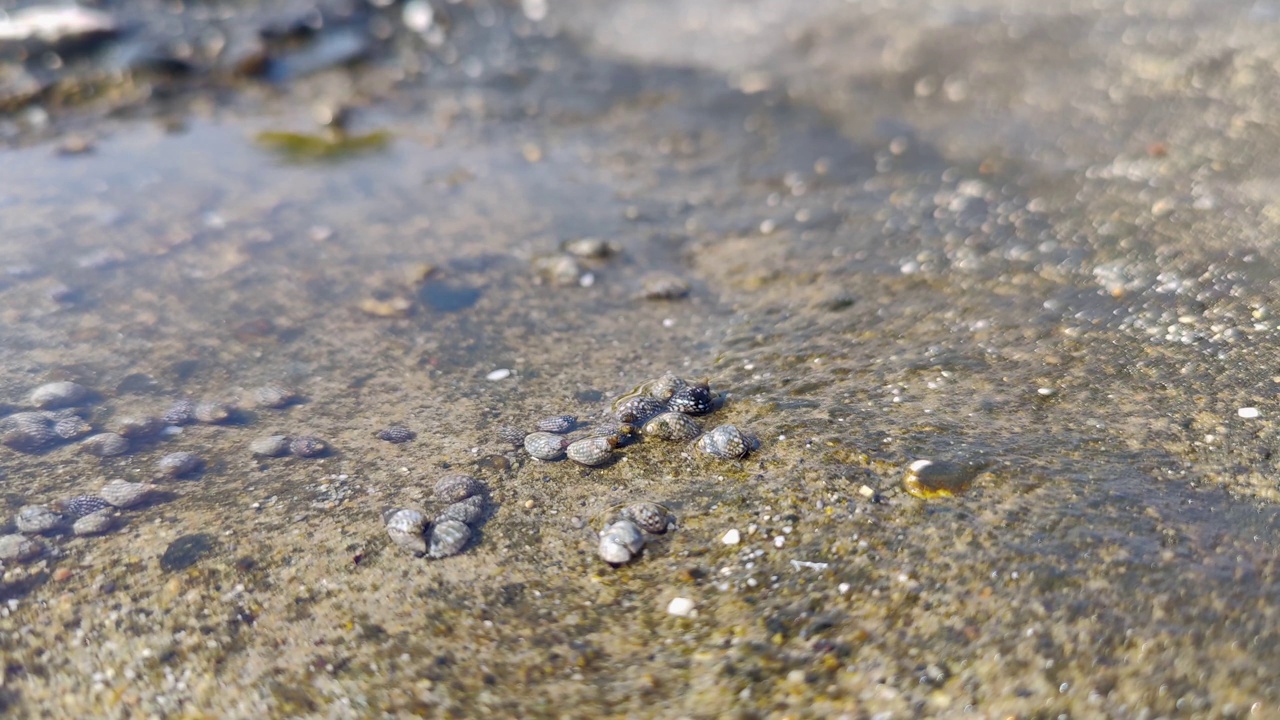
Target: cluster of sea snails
(80, 515)
(626, 532)
(62, 414)
(463, 502)
(662, 409)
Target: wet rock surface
(1038, 238)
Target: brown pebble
(530, 504)
(62, 574)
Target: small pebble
(36, 519)
(561, 270)
(18, 548)
(681, 607)
(138, 426)
(1248, 412)
(125, 494)
(732, 537)
(930, 479)
(270, 446)
(589, 248)
(499, 374)
(308, 446)
(396, 434)
(179, 464)
(63, 574)
(59, 394)
(105, 444)
(663, 286)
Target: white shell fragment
(681, 607)
(37, 519)
(59, 395)
(125, 494)
(449, 537)
(406, 529)
(499, 374)
(18, 548)
(620, 542)
(95, 523)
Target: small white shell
(37, 519)
(95, 523)
(405, 528)
(620, 542)
(449, 538)
(19, 548)
(125, 494)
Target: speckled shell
(545, 446)
(592, 450)
(449, 538)
(673, 426)
(138, 426)
(107, 444)
(81, 505)
(692, 400)
(37, 519)
(183, 412)
(274, 396)
(18, 548)
(662, 388)
(72, 428)
(468, 511)
(637, 408)
(179, 464)
(214, 413)
(270, 446)
(558, 424)
(59, 394)
(95, 523)
(125, 494)
(455, 488)
(406, 529)
(396, 434)
(663, 286)
(26, 432)
(727, 441)
(308, 447)
(620, 542)
(650, 517)
(513, 436)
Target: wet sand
(1035, 239)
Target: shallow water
(880, 272)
